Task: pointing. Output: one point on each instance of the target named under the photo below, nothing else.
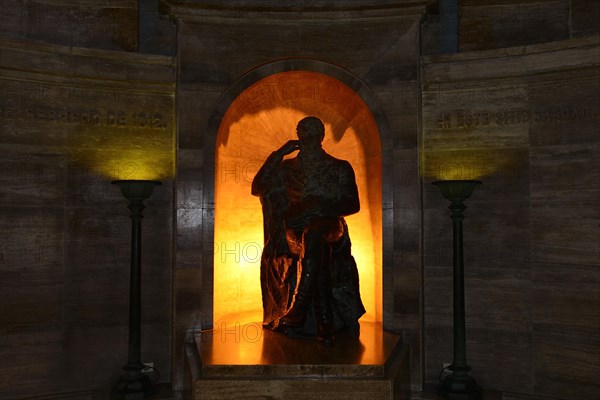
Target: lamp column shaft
(134, 384)
(460, 345)
(458, 385)
(135, 284)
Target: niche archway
(258, 121)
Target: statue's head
(311, 132)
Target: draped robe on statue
(288, 191)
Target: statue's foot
(293, 318)
(325, 331)
(353, 330)
(326, 341)
(279, 328)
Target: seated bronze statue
(309, 279)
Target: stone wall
(525, 121)
(123, 25)
(493, 24)
(96, 24)
(490, 24)
(74, 95)
(72, 120)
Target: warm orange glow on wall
(258, 122)
(480, 163)
(453, 153)
(128, 163)
(130, 151)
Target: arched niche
(256, 116)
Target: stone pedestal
(236, 361)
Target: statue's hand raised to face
(289, 147)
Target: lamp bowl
(456, 189)
(136, 190)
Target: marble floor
(166, 394)
(429, 394)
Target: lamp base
(133, 387)
(459, 387)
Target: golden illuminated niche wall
(259, 121)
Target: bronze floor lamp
(134, 384)
(458, 385)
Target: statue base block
(248, 362)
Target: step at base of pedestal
(251, 363)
